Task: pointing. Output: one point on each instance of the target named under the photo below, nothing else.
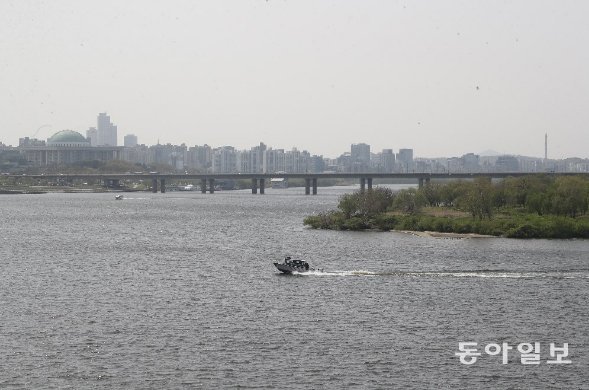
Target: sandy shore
(444, 235)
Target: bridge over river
(207, 180)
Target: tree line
(541, 194)
(530, 206)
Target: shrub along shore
(540, 206)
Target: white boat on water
(119, 197)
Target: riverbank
(516, 224)
(454, 236)
(20, 192)
(58, 189)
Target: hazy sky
(442, 77)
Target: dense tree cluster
(563, 195)
(531, 206)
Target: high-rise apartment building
(92, 135)
(200, 157)
(224, 160)
(405, 159)
(130, 140)
(258, 158)
(387, 161)
(360, 153)
(107, 132)
(275, 160)
(360, 157)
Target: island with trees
(542, 206)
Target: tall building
(130, 140)
(26, 141)
(470, 162)
(275, 160)
(92, 135)
(296, 161)
(360, 157)
(360, 153)
(387, 161)
(507, 163)
(317, 164)
(258, 158)
(107, 132)
(405, 159)
(200, 157)
(224, 160)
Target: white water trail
(452, 274)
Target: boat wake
(567, 274)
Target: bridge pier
(369, 181)
(314, 186)
(203, 186)
(110, 183)
(163, 186)
(307, 186)
(262, 184)
(254, 186)
(362, 184)
(424, 180)
(154, 185)
(212, 186)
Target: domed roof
(67, 136)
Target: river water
(178, 290)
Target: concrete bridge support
(154, 185)
(423, 180)
(314, 186)
(254, 186)
(163, 186)
(362, 184)
(369, 181)
(203, 186)
(262, 184)
(212, 186)
(307, 186)
(110, 183)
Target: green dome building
(67, 147)
(67, 138)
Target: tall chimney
(546, 146)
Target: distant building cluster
(104, 134)
(100, 144)
(264, 159)
(472, 163)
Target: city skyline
(444, 79)
(131, 140)
(542, 150)
(70, 147)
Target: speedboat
(119, 197)
(289, 266)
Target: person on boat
(287, 260)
